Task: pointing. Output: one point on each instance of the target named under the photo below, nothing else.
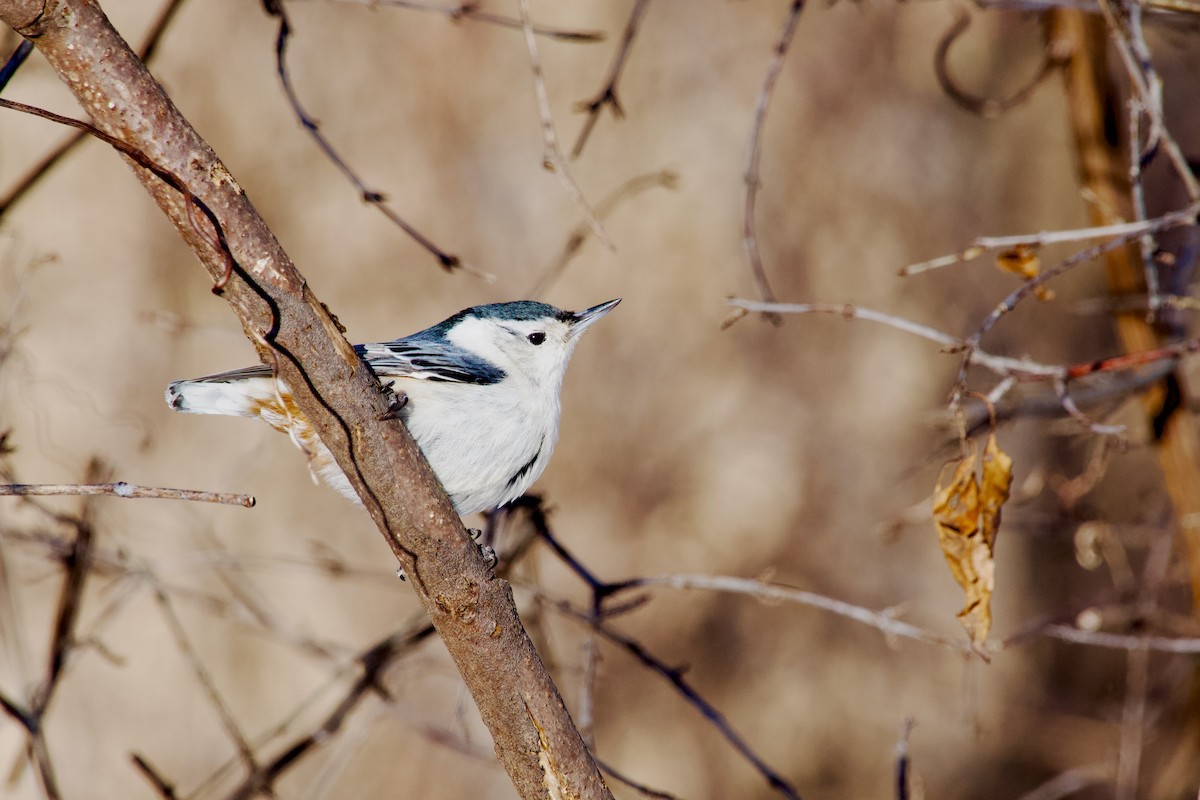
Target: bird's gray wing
(424, 359)
(429, 359)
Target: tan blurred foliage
(796, 451)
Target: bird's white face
(537, 350)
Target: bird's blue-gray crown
(518, 311)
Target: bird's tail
(239, 398)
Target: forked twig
(751, 176)
(607, 96)
(552, 157)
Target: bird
(479, 392)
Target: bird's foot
(489, 554)
(396, 402)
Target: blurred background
(803, 453)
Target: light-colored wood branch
(123, 489)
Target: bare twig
(1073, 411)
(752, 177)
(1121, 232)
(123, 489)
(373, 662)
(375, 198)
(1000, 365)
(607, 96)
(161, 785)
(988, 107)
(886, 622)
(14, 62)
(471, 12)
(77, 566)
(147, 51)
(1122, 641)
(903, 778)
(552, 157)
(575, 240)
(1164, 8)
(675, 676)
(204, 678)
(1029, 287)
(1068, 783)
(640, 788)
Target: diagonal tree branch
(472, 610)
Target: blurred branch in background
(76, 562)
(607, 96)
(552, 156)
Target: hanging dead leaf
(1023, 260)
(966, 513)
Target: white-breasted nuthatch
(479, 392)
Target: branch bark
(473, 611)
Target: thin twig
(1000, 365)
(1123, 232)
(987, 107)
(375, 198)
(1164, 8)
(228, 722)
(886, 622)
(675, 676)
(1071, 782)
(1123, 641)
(751, 177)
(1073, 411)
(607, 96)
(575, 240)
(903, 767)
(123, 489)
(640, 788)
(1137, 670)
(1145, 100)
(14, 62)
(470, 12)
(165, 789)
(552, 157)
(373, 660)
(1030, 286)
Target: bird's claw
(396, 404)
(487, 551)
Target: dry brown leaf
(1023, 260)
(966, 513)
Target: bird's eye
(537, 337)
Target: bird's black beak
(582, 319)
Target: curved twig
(754, 154)
(989, 107)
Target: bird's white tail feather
(240, 398)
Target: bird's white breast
(486, 452)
